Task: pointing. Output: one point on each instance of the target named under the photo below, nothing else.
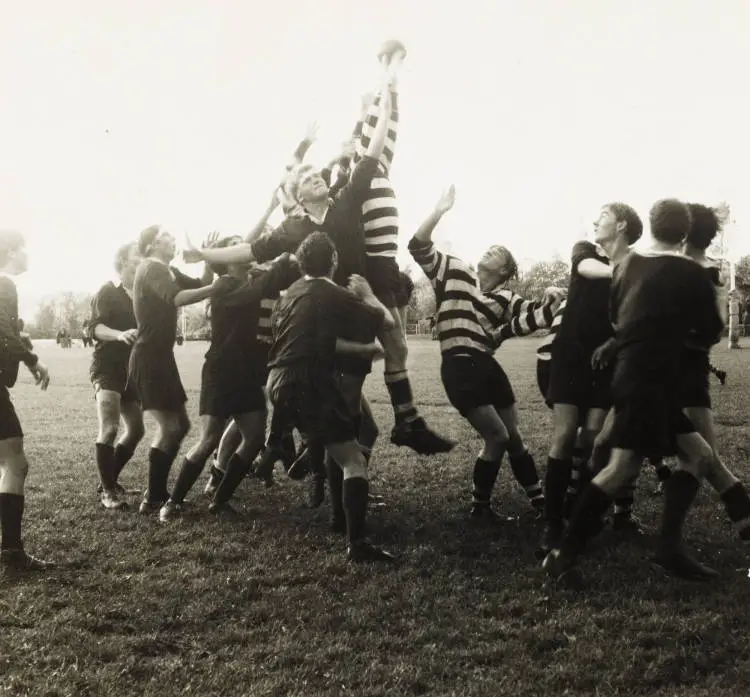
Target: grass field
(268, 606)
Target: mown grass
(267, 605)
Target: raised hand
(311, 134)
(211, 239)
(190, 253)
(446, 200)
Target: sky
(121, 114)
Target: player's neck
(698, 255)
(616, 250)
(317, 209)
(161, 259)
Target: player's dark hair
(625, 213)
(147, 238)
(10, 241)
(222, 269)
(704, 227)
(121, 256)
(670, 221)
(315, 255)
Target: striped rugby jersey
(379, 210)
(467, 320)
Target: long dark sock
(187, 476)
(662, 471)
(679, 493)
(335, 487)
(484, 478)
(11, 515)
(123, 453)
(737, 503)
(105, 462)
(317, 454)
(592, 505)
(159, 464)
(355, 491)
(577, 463)
(524, 470)
(237, 469)
(623, 509)
(556, 482)
(402, 399)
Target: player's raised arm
(444, 204)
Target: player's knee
(134, 432)
(16, 467)
(108, 433)
(563, 440)
(355, 469)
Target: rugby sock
(599, 459)
(556, 482)
(187, 476)
(11, 514)
(592, 505)
(576, 465)
(484, 478)
(402, 399)
(623, 509)
(355, 492)
(123, 453)
(679, 493)
(237, 468)
(317, 455)
(159, 464)
(737, 503)
(335, 487)
(524, 470)
(662, 471)
(105, 462)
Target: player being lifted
(114, 330)
(13, 463)
(474, 315)
(367, 201)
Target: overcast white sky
(119, 114)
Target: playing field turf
(267, 605)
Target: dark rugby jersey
(659, 303)
(12, 349)
(587, 323)
(309, 318)
(343, 224)
(154, 290)
(236, 310)
(112, 307)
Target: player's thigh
(132, 416)
(565, 419)
(703, 420)
(695, 454)
(348, 456)
(622, 468)
(252, 425)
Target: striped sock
(524, 470)
(399, 389)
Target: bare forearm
(239, 254)
(425, 230)
(260, 226)
(344, 346)
(104, 333)
(190, 297)
(388, 321)
(593, 269)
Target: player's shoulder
(106, 289)
(7, 284)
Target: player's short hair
(507, 266)
(670, 221)
(147, 238)
(122, 254)
(293, 179)
(704, 226)
(316, 254)
(222, 269)
(10, 241)
(625, 213)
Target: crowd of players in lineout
(299, 313)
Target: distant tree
(45, 321)
(531, 283)
(742, 273)
(422, 301)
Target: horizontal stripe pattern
(544, 350)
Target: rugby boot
(112, 501)
(363, 551)
(680, 564)
(19, 560)
(420, 438)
